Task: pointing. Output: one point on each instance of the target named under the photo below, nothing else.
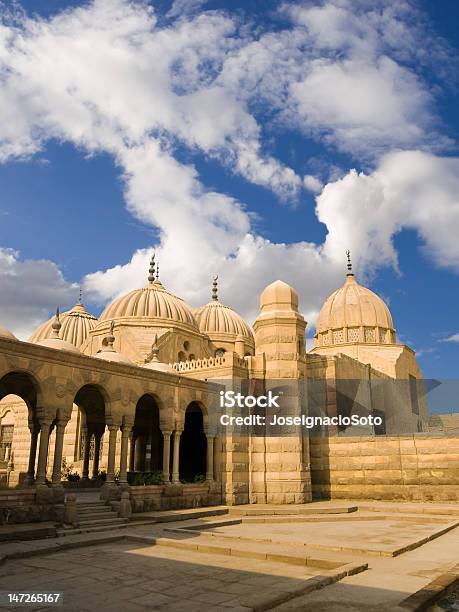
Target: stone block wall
(174, 497)
(418, 467)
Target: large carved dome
(76, 324)
(354, 314)
(152, 302)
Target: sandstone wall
(410, 467)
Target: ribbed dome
(75, 326)
(150, 302)
(353, 313)
(216, 318)
(5, 333)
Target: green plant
(66, 469)
(199, 478)
(102, 475)
(154, 478)
(139, 480)
(73, 477)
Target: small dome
(107, 351)
(152, 361)
(279, 296)
(57, 343)
(222, 322)
(354, 314)
(54, 340)
(113, 356)
(75, 326)
(151, 302)
(216, 318)
(5, 333)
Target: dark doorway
(193, 446)
(148, 455)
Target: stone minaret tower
(279, 464)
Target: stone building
(130, 394)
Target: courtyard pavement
(268, 560)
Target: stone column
(133, 439)
(43, 452)
(166, 455)
(87, 448)
(34, 431)
(125, 431)
(58, 448)
(95, 463)
(176, 458)
(113, 430)
(210, 458)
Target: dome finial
(151, 275)
(56, 326)
(80, 296)
(157, 271)
(349, 263)
(109, 339)
(215, 288)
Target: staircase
(93, 516)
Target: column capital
(112, 427)
(126, 428)
(166, 432)
(45, 423)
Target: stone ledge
(432, 592)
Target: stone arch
(23, 384)
(147, 440)
(14, 439)
(86, 428)
(193, 443)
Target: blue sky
(205, 155)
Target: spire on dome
(157, 272)
(56, 326)
(80, 297)
(349, 264)
(109, 339)
(215, 288)
(153, 357)
(151, 270)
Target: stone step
(255, 550)
(94, 516)
(106, 521)
(62, 533)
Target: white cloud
(29, 289)
(107, 77)
(185, 7)
(453, 338)
(408, 189)
(312, 183)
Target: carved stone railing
(227, 360)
